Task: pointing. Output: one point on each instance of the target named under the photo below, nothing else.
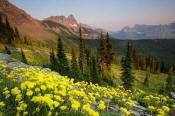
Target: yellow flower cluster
(2, 104)
(101, 106)
(125, 111)
(38, 90)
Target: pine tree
(1, 25)
(169, 81)
(63, 66)
(8, 31)
(7, 50)
(101, 56)
(158, 67)
(74, 67)
(24, 60)
(173, 68)
(53, 60)
(134, 56)
(17, 36)
(109, 54)
(146, 80)
(88, 55)
(127, 77)
(82, 57)
(94, 71)
(152, 66)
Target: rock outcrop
(11, 63)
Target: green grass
(155, 83)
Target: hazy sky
(107, 14)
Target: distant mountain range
(147, 32)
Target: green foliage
(24, 60)
(101, 56)
(94, 71)
(146, 80)
(75, 70)
(63, 66)
(108, 53)
(7, 50)
(169, 81)
(82, 57)
(127, 76)
(53, 60)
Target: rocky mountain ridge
(166, 31)
(23, 21)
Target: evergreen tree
(74, 67)
(7, 50)
(82, 57)
(144, 63)
(23, 57)
(174, 69)
(163, 67)
(53, 60)
(146, 80)
(17, 36)
(152, 66)
(158, 67)
(94, 71)
(88, 55)
(109, 54)
(63, 66)
(1, 25)
(101, 56)
(127, 77)
(8, 31)
(169, 81)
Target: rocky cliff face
(66, 21)
(147, 32)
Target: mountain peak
(66, 21)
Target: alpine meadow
(87, 58)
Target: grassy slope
(156, 80)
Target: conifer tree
(169, 81)
(82, 57)
(94, 71)
(1, 25)
(101, 56)
(63, 66)
(23, 57)
(7, 50)
(109, 54)
(127, 76)
(158, 67)
(75, 70)
(53, 60)
(146, 80)
(88, 55)
(174, 69)
(152, 66)
(17, 36)
(8, 31)
(134, 57)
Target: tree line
(86, 64)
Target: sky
(111, 15)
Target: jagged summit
(69, 21)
